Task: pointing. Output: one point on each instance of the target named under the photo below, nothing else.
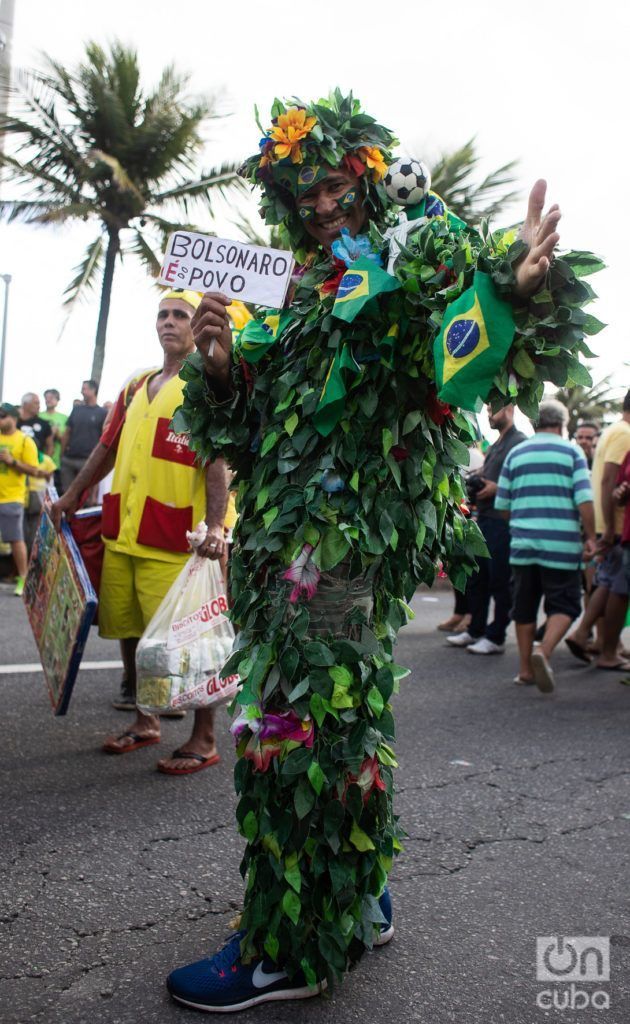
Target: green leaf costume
(349, 493)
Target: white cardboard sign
(204, 263)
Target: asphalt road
(516, 805)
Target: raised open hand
(541, 236)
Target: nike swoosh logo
(260, 978)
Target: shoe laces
(226, 959)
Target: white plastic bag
(187, 642)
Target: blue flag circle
(462, 338)
(348, 284)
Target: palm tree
(91, 144)
(599, 402)
(453, 178)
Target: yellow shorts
(131, 590)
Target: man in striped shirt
(544, 489)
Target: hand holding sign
(203, 263)
(213, 336)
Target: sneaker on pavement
(224, 984)
(19, 585)
(126, 701)
(386, 928)
(485, 646)
(461, 639)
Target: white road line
(6, 670)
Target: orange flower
(374, 159)
(288, 131)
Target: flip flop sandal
(543, 673)
(204, 762)
(621, 666)
(578, 652)
(138, 741)
(523, 682)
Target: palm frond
(453, 177)
(86, 275)
(42, 211)
(26, 85)
(141, 247)
(187, 191)
(86, 272)
(119, 174)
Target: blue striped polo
(542, 482)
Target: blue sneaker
(386, 929)
(223, 984)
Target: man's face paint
(349, 199)
(333, 202)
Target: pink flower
(274, 734)
(368, 779)
(304, 573)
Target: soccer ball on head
(407, 181)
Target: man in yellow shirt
(18, 459)
(159, 491)
(609, 599)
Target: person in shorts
(18, 459)
(608, 604)
(545, 490)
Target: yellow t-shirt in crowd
(12, 481)
(40, 483)
(613, 446)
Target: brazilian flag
(363, 280)
(332, 400)
(476, 335)
(258, 336)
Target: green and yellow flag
(258, 336)
(363, 280)
(476, 335)
(332, 400)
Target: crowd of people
(39, 447)
(336, 527)
(555, 517)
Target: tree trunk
(113, 246)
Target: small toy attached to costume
(343, 427)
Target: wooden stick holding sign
(204, 263)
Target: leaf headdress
(302, 142)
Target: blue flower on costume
(348, 249)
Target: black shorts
(561, 589)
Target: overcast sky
(544, 82)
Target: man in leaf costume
(333, 414)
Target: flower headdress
(302, 141)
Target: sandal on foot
(523, 682)
(451, 624)
(619, 666)
(578, 651)
(113, 745)
(543, 672)
(203, 762)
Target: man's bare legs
(201, 741)
(612, 625)
(594, 611)
(525, 632)
(555, 628)
(18, 550)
